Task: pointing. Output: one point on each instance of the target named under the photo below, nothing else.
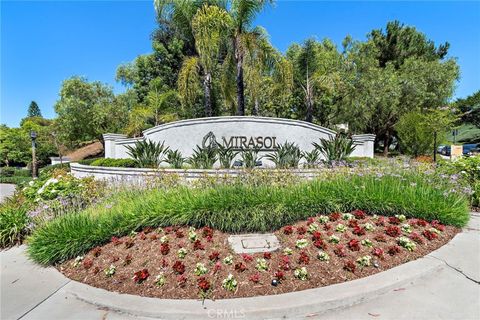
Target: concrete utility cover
(251, 243)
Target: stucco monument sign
(260, 133)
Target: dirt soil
(143, 251)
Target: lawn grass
(243, 208)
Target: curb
(293, 304)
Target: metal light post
(33, 136)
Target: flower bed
(181, 262)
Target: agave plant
(203, 158)
(175, 159)
(148, 154)
(335, 149)
(286, 155)
(250, 158)
(311, 158)
(226, 156)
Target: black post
(435, 146)
(33, 136)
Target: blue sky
(44, 43)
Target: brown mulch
(146, 254)
(94, 149)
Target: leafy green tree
(14, 146)
(470, 108)
(86, 110)
(399, 43)
(415, 138)
(34, 110)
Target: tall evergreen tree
(34, 110)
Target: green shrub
(250, 158)
(47, 170)
(15, 180)
(203, 158)
(88, 162)
(175, 159)
(286, 155)
(415, 137)
(244, 208)
(13, 224)
(109, 162)
(226, 156)
(148, 154)
(311, 158)
(14, 172)
(335, 149)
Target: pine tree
(34, 110)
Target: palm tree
(209, 25)
(243, 13)
(311, 74)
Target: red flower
(416, 237)
(147, 230)
(316, 235)
(87, 263)
(141, 276)
(301, 230)
(179, 234)
(320, 244)
(310, 221)
(217, 267)
(129, 243)
(255, 278)
(285, 263)
(207, 232)
(352, 223)
(380, 238)
(288, 230)
(247, 257)
(354, 245)
(267, 255)
(335, 216)
(350, 266)
(303, 258)
(182, 280)
(96, 270)
(203, 284)
(96, 251)
(164, 248)
(240, 266)
(378, 252)
(164, 263)
(380, 221)
(279, 274)
(359, 214)
(178, 267)
(393, 220)
(421, 223)
(168, 229)
(359, 231)
(393, 231)
(340, 251)
(116, 241)
(197, 245)
(214, 256)
(393, 250)
(429, 235)
(437, 225)
(128, 258)
(209, 238)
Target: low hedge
(243, 208)
(108, 162)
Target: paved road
(32, 292)
(6, 190)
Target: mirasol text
(243, 142)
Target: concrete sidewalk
(32, 292)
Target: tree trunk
(386, 140)
(207, 87)
(239, 80)
(308, 96)
(256, 108)
(309, 116)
